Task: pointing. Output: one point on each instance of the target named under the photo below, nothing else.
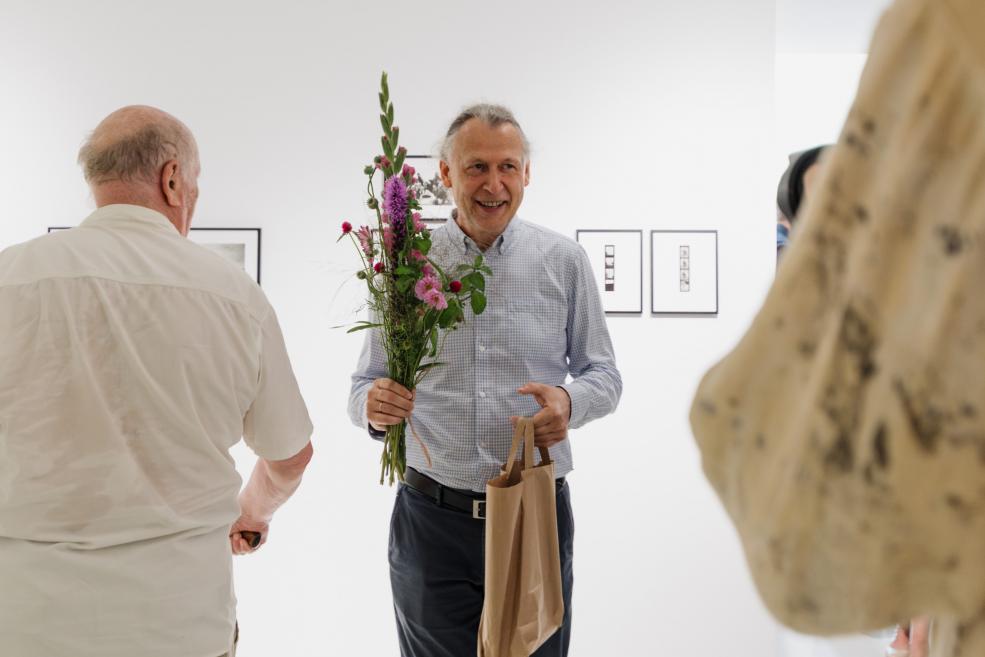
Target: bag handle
(524, 432)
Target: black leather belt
(466, 501)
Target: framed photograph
(436, 200)
(684, 272)
(240, 246)
(616, 257)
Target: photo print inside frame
(437, 201)
(616, 257)
(684, 272)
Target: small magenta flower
(384, 162)
(388, 241)
(405, 172)
(365, 236)
(418, 256)
(436, 300)
(455, 287)
(378, 267)
(419, 226)
(425, 286)
(427, 271)
(346, 228)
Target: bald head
(133, 143)
(139, 155)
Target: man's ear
(171, 183)
(526, 173)
(445, 171)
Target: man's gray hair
(138, 155)
(492, 115)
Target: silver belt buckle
(479, 509)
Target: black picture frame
(606, 288)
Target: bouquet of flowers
(412, 300)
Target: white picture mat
(231, 244)
(427, 168)
(701, 267)
(627, 270)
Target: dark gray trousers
(437, 570)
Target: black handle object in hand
(253, 538)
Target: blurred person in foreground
(845, 433)
(131, 360)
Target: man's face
(486, 173)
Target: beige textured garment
(523, 604)
(845, 433)
(131, 360)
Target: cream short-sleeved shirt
(131, 360)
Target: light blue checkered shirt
(543, 322)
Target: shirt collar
(130, 214)
(502, 244)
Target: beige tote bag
(523, 606)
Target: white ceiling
(819, 26)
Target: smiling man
(544, 323)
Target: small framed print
(241, 246)
(684, 272)
(437, 201)
(616, 257)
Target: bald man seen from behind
(131, 360)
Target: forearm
(271, 484)
(594, 394)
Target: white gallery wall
(645, 114)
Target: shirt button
(482, 347)
(482, 395)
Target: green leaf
(389, 113)
(447, 317)
(486, 270)
(434, 342)
(387, 149)
(384, 86)
(475, 281)
(427, 366)
(361, 327)
(404, 270)
(403, 284)
(384, 123)
(382, 103)
(478, 261)
(399, 164)
(478, 302)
